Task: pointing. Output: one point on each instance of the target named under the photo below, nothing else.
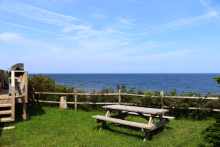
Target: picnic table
(147, 113)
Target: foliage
(217, 79)
(148, 92)
(46, 84)
(212, 133)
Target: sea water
(196, 82)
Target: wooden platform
(4, 95)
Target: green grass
(56, 127)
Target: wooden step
(5, 112)
(6, 119)
(124, 122)
(5, 105)
(5, 101)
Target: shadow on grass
(152, 133)
(31, 110)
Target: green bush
(212, 133)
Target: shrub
(212, 133)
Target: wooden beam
(119, 96)
(13, 95)
(26, 87)
(75, 91)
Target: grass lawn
(56, 127)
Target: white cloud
(33, 29)
(10, 37)
(210, 9)
(186, 21)
(43, 15)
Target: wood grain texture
(136, 109)
(123, 122)
(5, 112)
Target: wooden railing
(119, 94)
(4, 78)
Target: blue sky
(111, 36)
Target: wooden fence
(119, 94)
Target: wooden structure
(123, 103)
(18, 94)
(139, 111)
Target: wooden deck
(4, 95)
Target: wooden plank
(6, 119)
(5, 105)
(158, 125)
(5, 112)
(124, 122)
(5, 101)
(136, 109)
(53, 93)
(148, 115)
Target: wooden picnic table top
(136, 109)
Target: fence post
(63, 104)
(75, 92)
(119, 96)
(161, 94)
(33, 97)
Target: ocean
(196, 82)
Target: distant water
(190, 82)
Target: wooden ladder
(7, 103)
(7, 110)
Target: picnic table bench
(147, 113)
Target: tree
(217, 79)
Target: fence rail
(119, 94)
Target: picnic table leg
(121, 115)
(147, 132)
(161, 118)
(107, 115)
(145, 117)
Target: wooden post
(13, 94)
(33, 97)
(161, 94)
(25, 116)
(26, 87)
(75, 92)
(119, 96)
(2, 78)
(63, 104)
